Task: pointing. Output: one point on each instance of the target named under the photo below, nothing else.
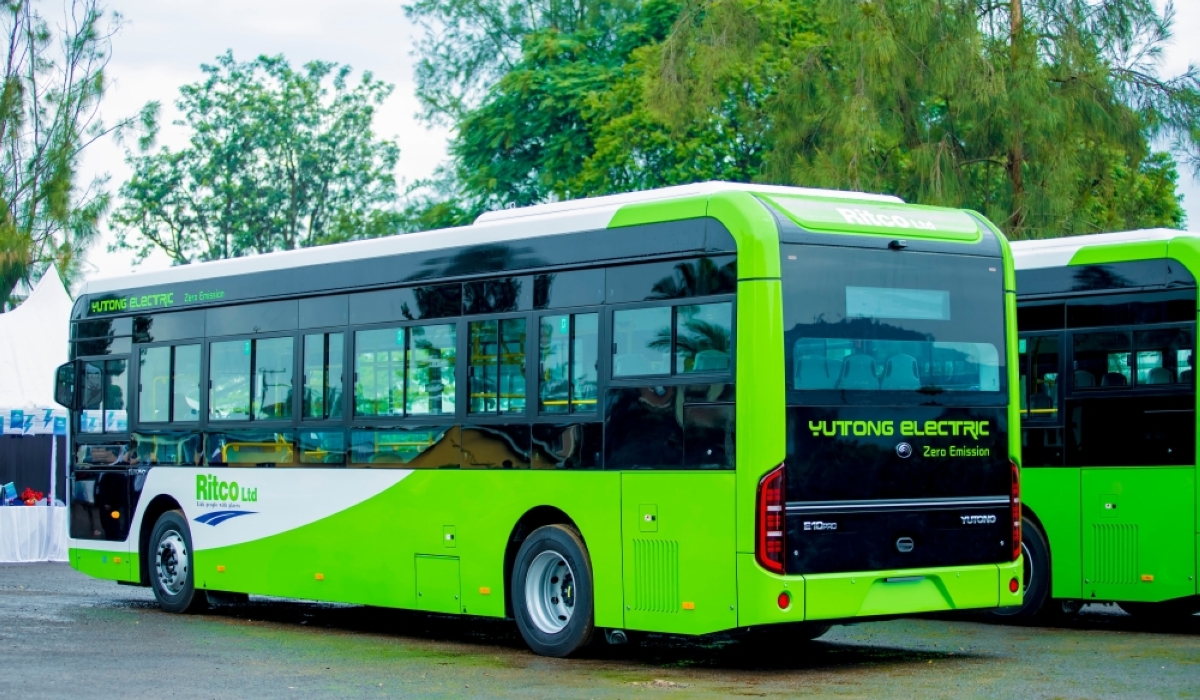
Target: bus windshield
(892, 321)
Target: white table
(33, 533)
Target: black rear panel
(888, 487)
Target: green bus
(1108, 409)
(704, 408)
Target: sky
(163, 42)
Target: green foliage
(1033, 113)
(50, 93)
(469, 45)
(569, 119)
(1039, 113)
(277, 159)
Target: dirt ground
(64, 635)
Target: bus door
(1131, 427)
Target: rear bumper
(846, 596)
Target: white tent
(33, 342)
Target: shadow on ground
(721, 652)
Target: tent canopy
(33, 342)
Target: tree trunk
(1016, 150)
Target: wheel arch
(531, 520)
(154, 510)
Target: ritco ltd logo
(210, 488)
(904, 450)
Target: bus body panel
(1122, 533)
(1052, 495)
(1137, 533)
(389, 536)
(365, 552)
(679, 561)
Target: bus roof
(1058, 252)
(510, 224)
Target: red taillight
(770, 521)
(1013, 585)
(1016, 511)
(784, 600)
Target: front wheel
(1035, 551)
(172, 575)
(552, 591)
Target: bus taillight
(1016, 511)
(771, 521)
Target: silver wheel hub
(1028, 566)
(550, 592)
(171, 563)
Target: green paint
(878, 218)
(113, 564)
(1053, 495)
(677, 209)
(678, 551)
(862, 594)
(1155, 509)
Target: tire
(1167, 610)
(554, 610)
(1035, 549)
(171, 568)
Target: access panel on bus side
(679, 559)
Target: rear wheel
(552, 591)
(172, 574)
(1035, 551)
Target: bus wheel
(1035, 552)
(171, 569)
(552, 591)
(1164, 611)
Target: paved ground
(63, 635)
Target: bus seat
(858, 372)
(813, 372)
(1186, 376)
(630, 365)
(1042, 399)
(1084, 378)
(1113, 379)
(711, 361)
(1160, 375)
(900, 372)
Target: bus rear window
(865, 320)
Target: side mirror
(64, 386)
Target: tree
(568, 119)
(1035, 112)
(53, 83)
(469, 45)
(277, 159)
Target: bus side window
(1102, 360)
(105, 386)
(169, 384)
(1042, 353)
(1164, 356)
(568, 355)
(321, 390)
